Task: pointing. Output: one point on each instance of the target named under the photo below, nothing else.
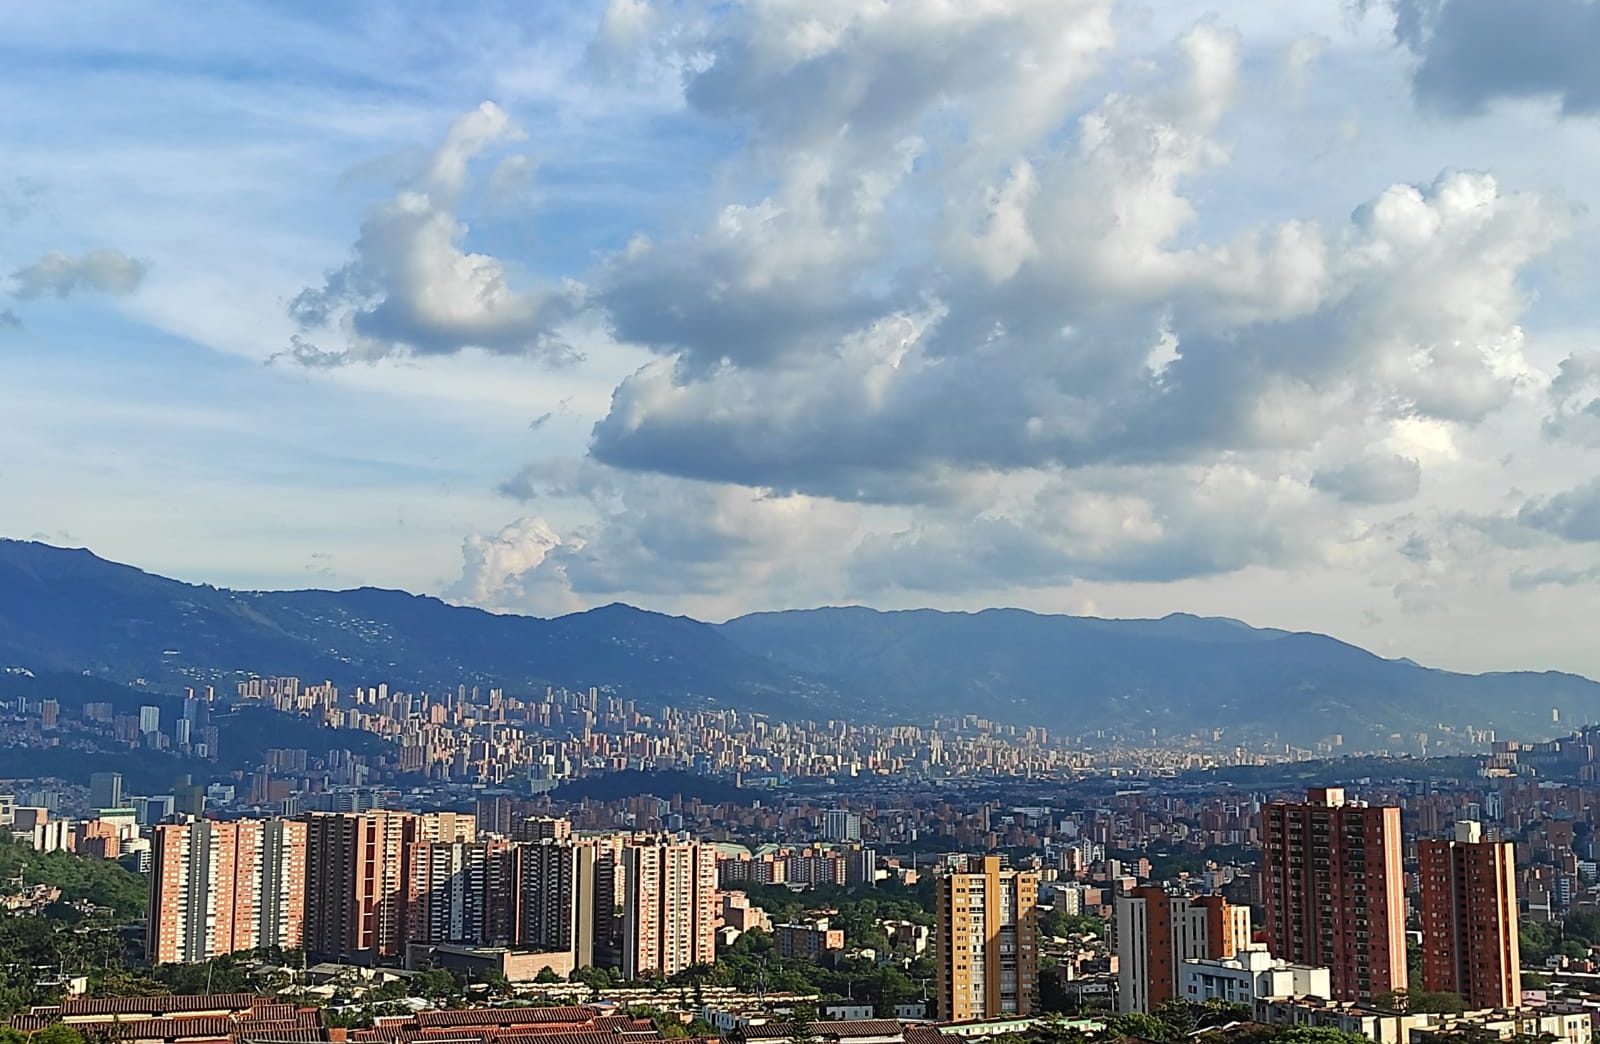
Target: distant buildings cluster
(1334, 891)
(368, 885)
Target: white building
(1390, 1027)
(1250, 976)
(841, 825)
(1156, 932)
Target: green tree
(1320, 1035)
(1055, 1031)
(1138, 1024)
(1537, 941)
(1417, 1000)
(437, 984)
(392, 990)
(101, 881)
(800, 1020)
(58, 1033)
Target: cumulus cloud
(1411, 310)
(1153, 525)
(59, 274)
(1573, 514)
(1065, 317)
(411, 287)
(650, 537)
(843, 103)
(969, 322)
(507, 570)
(1472, 52)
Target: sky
(1282, 312)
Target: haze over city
(1280, 312)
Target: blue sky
(1274, 311)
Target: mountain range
(69, 610)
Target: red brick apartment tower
(358, 873)
(204, 880)
(670, 910)
(1469, 919)
(1334, 892)
(218, 888)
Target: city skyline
(1091, 307)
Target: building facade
(986, 941)
(669, 912)
(556, 898)
(358, 876)
(219, 888)
(1333, 890)
(1248, 977)
(1469, 919)
(453, 888)
(1156, 932)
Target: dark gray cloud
(1573, 515)
(1473, 52)
(1574, 400)
(1380, 478)
(1557, 576)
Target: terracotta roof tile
(167, 1005)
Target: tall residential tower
(1334, 893)
(669, 912)
(1469, 919)
(218, 888)
(986, 941)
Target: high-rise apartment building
(1469, 919)
(105, 789)
(358, 876)
(841, 825)
(1157, 932)
(281, 901)
(1333, 890)
(986, 941)
(610, 895)
(555, 898)
(541, 828)
(454, 890)
(218, 888)
(669, 910)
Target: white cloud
(412, 288)
(59, 274)
(703, 544)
